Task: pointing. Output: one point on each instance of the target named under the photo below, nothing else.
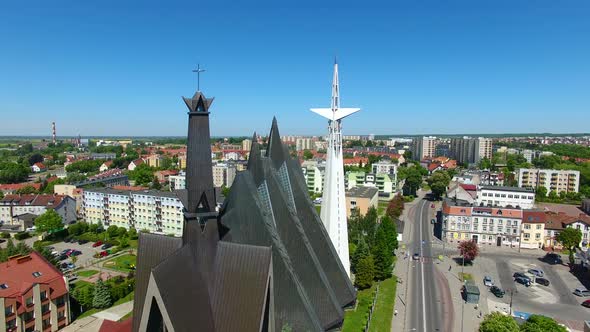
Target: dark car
(82, 241)
(75, 253)
(497, 291)
(521, 275)
(2, 240)
(524, 281)
(552, 258)
(106, 246)
(416, 256)
(542, 281)
(62, 257)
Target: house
(582, 223)
(12, 206)
(154, 160)
(12, 188)
(33, 295)
(105, 166)
(134, 164)
(361, 198)
(164, 176)
(463, 192)
(554, 224)
(533, 229)
(38, 167)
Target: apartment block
(500, 196)
(423, 147)
(157, 211)
(313, 172)
(385, 184)
(304, 143)
(224, 174)
(12, 207)
(33, 295)
(361, 198)
(385, 167)
(177, 182)
(552, 179)
(469, 150)
(246, 145)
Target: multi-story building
(72, 191)
(469, 150)
(533, 229)
(500, 196)
(177, 182)
(552, 179)
(303, 143)
(156, 211)
(224, 174)
(383, 182)
(154, 160)
(33, 295)
(12, 206)
(313, 172)
(423, 147)
(385, 167)
(246, 145)
(361, 198)
(486, 225)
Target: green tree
(365, 273)
(485, 163)
(1, 194)
(48, 221)
(538, 323)
(368, 225)
(438, 183)
(132, 233)
(51, 186)
(102, 295)
(413, 177)
(541, 193)
(26, 190)
(10, 248)
(361, 251)
(497, 322)
(142, 175)
(307, 154)
(390, 231)
(112, 231)
(553, 195)
(382, 255)
(156, 183)
(570, 238)
(13, 172)
(35, 158)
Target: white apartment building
(313, 172)
(224, 174)
(303, 143)
(246, 145)
(423, 147)
(12, 206)
(157, 211)
(552, 179)
(385, 167)
(469, 150)
(177, 182)
(500, 196)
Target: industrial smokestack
(53, 133)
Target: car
(31, 229)
(82, 241)
(433, 221)
(582, 292)
(97, 244)
(103, 253)
(2, 240)
(586, 303)
(487, 281)
(63, 265)
(65, 251)
(50, 247)
(62, 257)
(497, 291)
(416, 256)
(553, 258)
(521, 275)
(524, 281)
(106, 246)
(70, 252)
(542, 281)
(71, 266)
(537, 272)
(55, 253)
(75, 253)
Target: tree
(361, 251)
(553, 195)
(102, 295)
(538, 323)
(78, 228)
(485, 163)
(1, 194)
(468, 250)
(438, 183)
(35, 158)
(26, 190)
(541, 193)
(307, 154)
(13, 173)
(497, 322)
(388, 226)
(382, 255)
(368, 225)
(570, 238)
(156, 183)
(11, 248)
(142, 175)
(365, 273)
(48, 221)
(132, 233)
(112, 231)
(395, 207)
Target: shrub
(22, 235)
(5, 235)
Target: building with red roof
(12, 188)
(38, 167)
(34, 295)
(13, 206)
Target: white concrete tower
(333, 211)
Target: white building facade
(552, 179)
(499, 196)
(12, 206)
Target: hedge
(22, 235)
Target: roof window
(37, 274)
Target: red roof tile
(110, 326)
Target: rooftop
(362, 192)
(505, 188)
(147, 192)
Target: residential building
(177, 182)
(73, 192)
(533, 229)
(164, 176)
(33, 295)
(182, 161)
(462, 192)
(361, 198)
(157, 211)
(313, 172)
(110, 178)
(423, 147)
(303, 143)
(154, 160)
(224, 174)
(38, 167)
(582, 223)
(105, 166)
(12, 188)
(246, 145)
(107, 155)
(469, 150)
(586, 205)
(12, 206)
(383, 182)
(565, 181)
(500, 196)
(554, 224)
(134, 164)
(385, 167)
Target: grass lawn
(383, 311)
(382, 207)
(81, 284)
(87, 273)
(121, 263)
(318, 208)
(88, 313)
(133, 243)
(355, 320)
(465, 276)
(126, 316)
(125, 299)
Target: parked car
(586, 303)
(433, 221)
(71, 266)
(524, 281)
(103, 253)
(487, 281)
(2, 240)
(75, 253)
(537, 272)
(62, 257)
(582, 292)
(82, 241)
(416, 256)
(55, 253)
(521, 275)
(106, 246)
(97, 244)
(497, 291)
(542, 281)
(31, 229)
(553, 258)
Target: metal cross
(199, 70)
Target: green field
(122, 263)
(127, 298)
(87, 273)
(383, 311)
(355, 320)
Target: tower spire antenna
(199, 70)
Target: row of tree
(498, 322)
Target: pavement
(92, 323)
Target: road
(425, 308)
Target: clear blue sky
(414, 67)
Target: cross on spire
(199, 70)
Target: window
(61, 314)
(45, 308)
(527, 226)
(538, 226)
(3, 286)
(43, 295)
(28, 315)
(538, 236)
(8, 310)
(11, 324)
(517, 196)
(527, 236)
(46, 323)
(29, 301)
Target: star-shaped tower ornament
(198, 103)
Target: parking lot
(87, 251)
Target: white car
(31, 229)
(487, 281)
(536, 272)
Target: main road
(424, 295)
